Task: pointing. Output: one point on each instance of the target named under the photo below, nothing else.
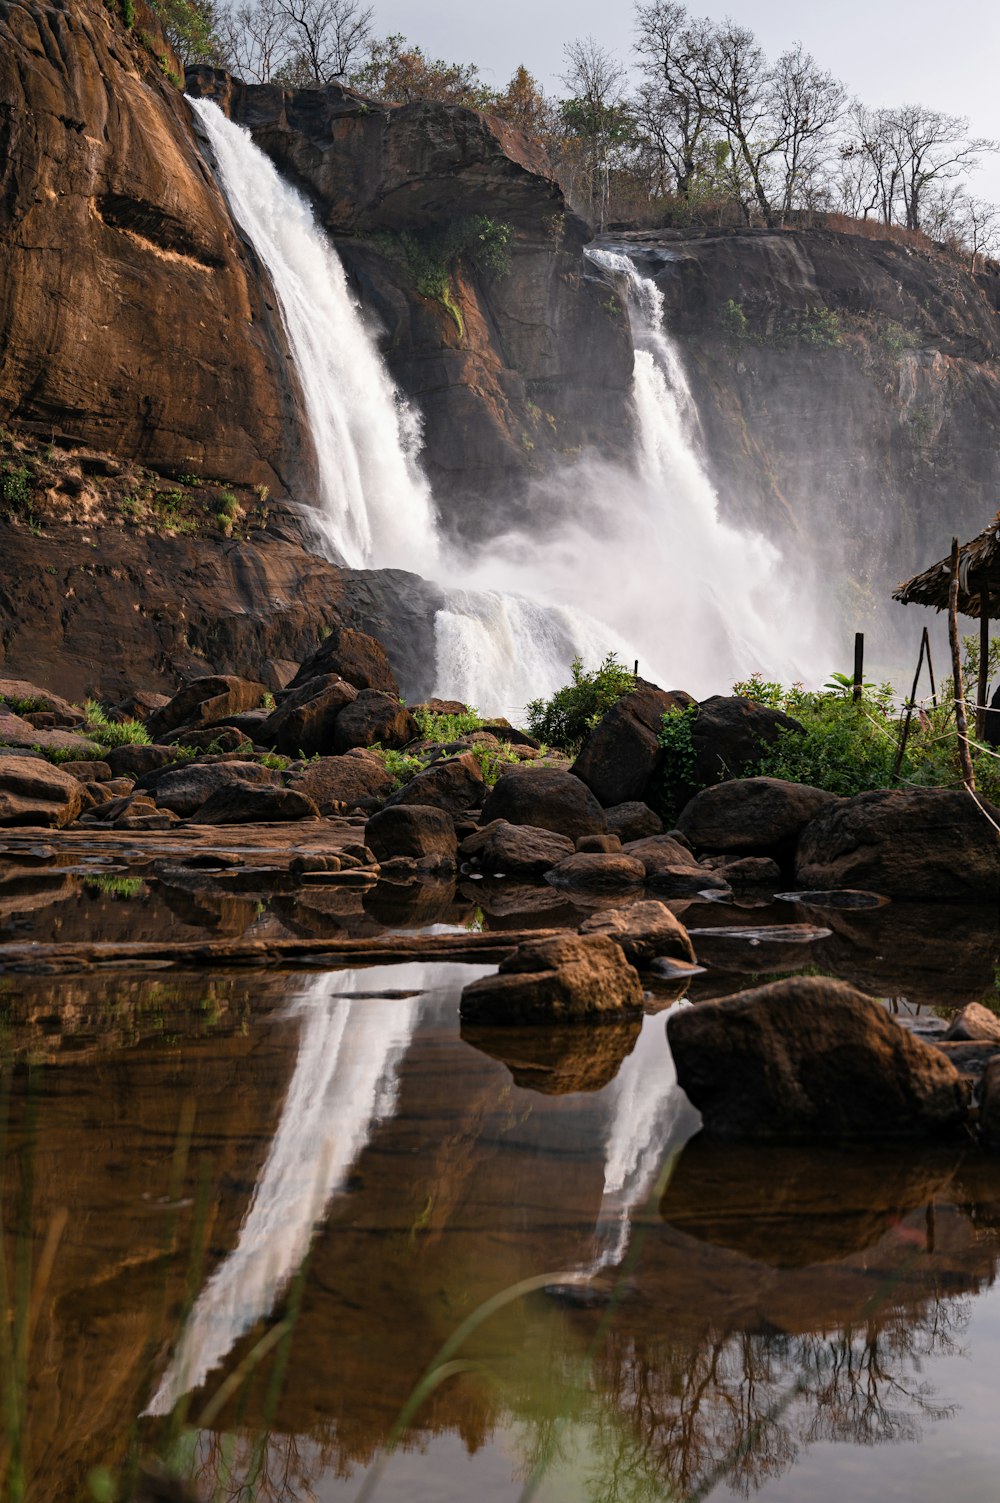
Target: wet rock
(455, 785)
(633, 821)
(547, 798)
(686, 881)
(503, 847)
(750, 814)
(372, 717)
(597, 872)
(558, 1061)
(335, 781)
(246, 804)
(808, 1057)
(989, 1107)
(33, 792)
(186, 789)
(905, 842)
(659, 853)
(643, 931)
(416, 830)
(748, 871)
(975, 1024)
(353, 656)
(206, 701)
(599, 844)
(568, 978)
(619, 759)
(136, 761)
(305, 721)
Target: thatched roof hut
(978, 574)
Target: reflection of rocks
(924, 951)
(788, 1207)
(557, 1061)
(412, 905)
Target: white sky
(886, 51)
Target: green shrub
(733, 322)
(113, 733)
(397, 764)
(676, 776)
(446, 728)
(492, 760)
(566, 719)
(16, 488)
(275, 761)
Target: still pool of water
(297, 1235)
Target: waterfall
(632, 559)
(343, 1085)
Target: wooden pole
(961, 723)
(901, 748)
(859, 664)
(984, 658)
(930, 667)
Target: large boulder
(250, 804)
(515, 849)
(905, 843)
(135, 761)
(32, 792)
(16, 731)
(810, 1057)
(206, 701)
(426, 835)
(351, 655)
(186, 789)
(633, 821)
(643, 931)
(975, 1024)
(622, 754)
(21, 697)
(750, 814)
(597, 871)
(729, 734)
(303, 724)
(659, 853)
(454, 785)
(547, 798)
(349, 780)
(374, 717)
(563, 979)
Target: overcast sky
(886, 51)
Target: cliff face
(132, 317)
(512, 370)
(848, 390)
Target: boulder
(587, 871)
(989, 1106)
(750, 814)
(747, 871)
(515, 849)
(348, 780)
(547, 798)
(21, 697)
(248, 804)
(186, 789)
(136, 761)
(621, 756)
(975, 1024)
(809, 1057)
(216, 738)
(16, 731)
(601, 844)
(374, 717)
(729, 733)
(416, 830)
(454, 785)
(563, 979)
(305, 721)
(906, 843)
(32, 792)
(89, 772)
(140, 704)
(350, 655)
(643, 931)
(633, 821)
(206, 701)
(686, 881)
(658, 851)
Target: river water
(278, 1207)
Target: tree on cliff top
(299, 43)
(400, 73)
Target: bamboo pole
(930, 667)
(984, 658)
(961, 723)
(859, 664)
(901, 748)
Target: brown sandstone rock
(606, 844)
(346, 780)
(372, 717)
(136, 761)
(351, 655)
(17, 694)
(185, 789)
(304, 722)
(750, 814)
(810, 1057)
(32, 792)
(570, 978)
(597, 872)
(644, 931)
(15, 731)
(454, 785)
(620, 757)
(206, 702)
(89, 772)
(547, 798)
(247, 804)
(906, 843)
(502, 847)
(975, 1024)
(633, 821)
(415, 830)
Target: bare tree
(255, 39)
(807, 104)
(672, 103)
(930, 148)
(739, 101)
(326, 37)
(597, 114)
(980, 222)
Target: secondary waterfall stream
(633, 559)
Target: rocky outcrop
(510, 371)
(520, 849)
(414, 831)
(132, 315)
(750, 814)
(643, 931)
(546, 798)
(34, 793)
(569, 978)
(811, 1058)
(621, 756)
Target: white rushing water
(343, 1085)
(626, 558)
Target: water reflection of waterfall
(343, 1085)
(649, 1117)
(630, 558)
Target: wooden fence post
(961, 723)
(859, 664)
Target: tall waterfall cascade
(632, 559)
